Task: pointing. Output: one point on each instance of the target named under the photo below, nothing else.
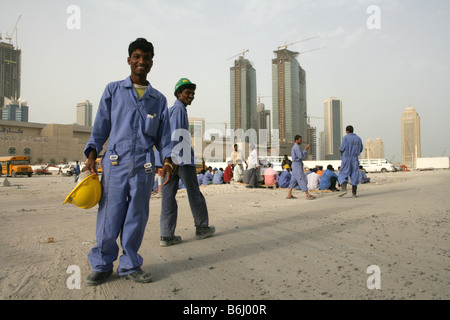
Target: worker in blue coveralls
(350, 148)
(135, 118)
(183, 158)
(298, 176)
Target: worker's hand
(168, 170)
(307, 147)
(90, 162)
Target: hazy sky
(378, 62)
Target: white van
(377, 165)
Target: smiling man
(179, 122)
(134, 117)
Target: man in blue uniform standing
(298, 176)
(183, 158)
(134, 117)
(351, 148)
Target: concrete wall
(433, 162)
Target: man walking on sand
(134, 117)
(351, 148)
(185, 170)
(298, 176)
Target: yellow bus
(13, 166)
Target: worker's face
(186, 96)
(299, 141)
(140, 62)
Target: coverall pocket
(151, 126)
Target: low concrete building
(43, 142)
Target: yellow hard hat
(87, 193)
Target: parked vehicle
(377, 165)
(17, 165)
(67, 169)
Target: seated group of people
(328, 179)
(317, 178)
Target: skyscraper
(10, 70)
(410, 133)
(243, 106)
(84, 113)
(374, 149)
(16, 110)
(288, 96)
(332, 110)
(264, 123)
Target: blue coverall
(284, 179)
(298, 176)
(325, 179)
(133, 127)
(351, 148)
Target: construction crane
(311, 50)
(259, 98)
(240, 54)
(290, 44)
(309, 118)
(9, 37)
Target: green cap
(183, 82)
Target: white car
(66, 169)
(377, 165)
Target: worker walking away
(134, 117)
(350, 149)
(298, 175)
(183, 158)
(76, 171)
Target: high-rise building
(410, 134)
(264, 123)
(15, 110)
(332, 110)
(312, 140)
(243, 106)
(84, 113)
(288, 96)
(374, 149)
(321, 148)
(10, 69)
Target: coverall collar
(179, 103)
(149, 92)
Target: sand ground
(266, 246)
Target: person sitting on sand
(285, 177)
(362, 176)
(313, 180)
(270, 176)
(238, 172)
(207, 179)
(218, 177)
(328, 179)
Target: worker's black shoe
(343, 189)
(169, 241)
(204, 232)
(139, 276)
(96, 278)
